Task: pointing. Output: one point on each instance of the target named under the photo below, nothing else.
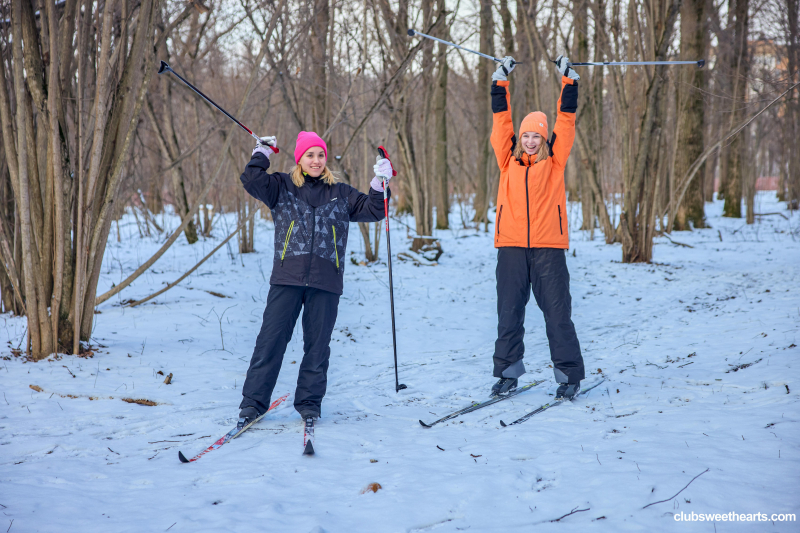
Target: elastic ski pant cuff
(514, 371)
(560, 376)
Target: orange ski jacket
(531, 198)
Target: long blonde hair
(299, 179)
(544, 151)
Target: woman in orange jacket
(531, 233)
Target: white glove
(383, 173)
(383, 168)
(270, 141)
(564, 68)
(377, 183)
(265, 146)
(504, 69)
(262, 149)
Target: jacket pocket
(335, 248)
(560, 228)
(499, 214)
(286, 241)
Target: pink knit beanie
(306, 140)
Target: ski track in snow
(665, 335)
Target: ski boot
(247, 416)
(567, 391)
(503, 386)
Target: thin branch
(335, 122)
(676, 243)
(574, 511)
(683, 489)
(212, 130)
(770, 214)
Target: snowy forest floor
(698, 349)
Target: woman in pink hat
(312, 214)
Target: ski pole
(397, 385)
(165, 67)
(700, 64)
(412, 33)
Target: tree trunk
(440, 159)
(483, 110)
(793, 107)
(28, 199)
(77, 100)
(583, 162)
(690, 140)
(739, 68)
(637, 218)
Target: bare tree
(75, 111)
(792, 120)
(692, 107)
(440, 166)
(483, 110)
(638, 217)
(739, 68)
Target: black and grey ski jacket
(311, 224)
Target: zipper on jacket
(311, 250)
(498, 220)
(335, 248)
(559, 220)
(528, 204)
(286, 241)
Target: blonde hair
(544, 151)
(299, 179)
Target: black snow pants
(283, 308)
(544, 270)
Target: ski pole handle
(382, 153)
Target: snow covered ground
(673, 340)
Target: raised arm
(257, 181)
(369, 207)
(502, 138)
(366, 207)
(564, 129)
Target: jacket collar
(525, 160)
(310, 180)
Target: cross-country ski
(403, 226)
(474, 406)
(308, 436)
(556, 401)
(240, 428)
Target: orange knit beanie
(535, 122)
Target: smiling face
(531, 142)
(313, 161)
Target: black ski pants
(283, 308)
(543, 270)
